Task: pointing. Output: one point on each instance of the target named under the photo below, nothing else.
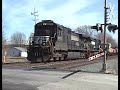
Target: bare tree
(18, 38)
(3, 38)
(86, 30)
(3, 34)
(29, 41)
(109, 39)
(3, 41)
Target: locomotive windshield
(43, 33)
(45, 30)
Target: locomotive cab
(44, 31)
(43, 41)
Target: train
(52, 41)
(112, 51)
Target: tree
(109, 39)
(3, 34)
(29, 41)
(18, 38)
(3, 38)
(86, 30)
(4, 49)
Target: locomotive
(52, 41)
(112, 51)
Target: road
(14, 86)
(26, 79)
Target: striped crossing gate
(95, 56)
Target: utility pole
(105, 21)
(35, 15)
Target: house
(17, 52)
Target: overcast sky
(16, 14)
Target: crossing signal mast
(111, 27)
(108, 16)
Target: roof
(21, 49)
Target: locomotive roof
(61, 27)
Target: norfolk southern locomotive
(52, 41)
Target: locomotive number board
(48, 24)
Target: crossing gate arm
(95, 56)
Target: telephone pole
(35, 15)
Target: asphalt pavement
(15, 86)
(15, 79)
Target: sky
(16, 14)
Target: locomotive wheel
(65, 57)
(59, 58)
(54, 59)
(33, 59)
(45, 57)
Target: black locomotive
(52, 41)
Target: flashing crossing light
(97, 27)
(112, 28)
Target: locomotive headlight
(47, 39)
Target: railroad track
(55, 65)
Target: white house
(17, 52)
